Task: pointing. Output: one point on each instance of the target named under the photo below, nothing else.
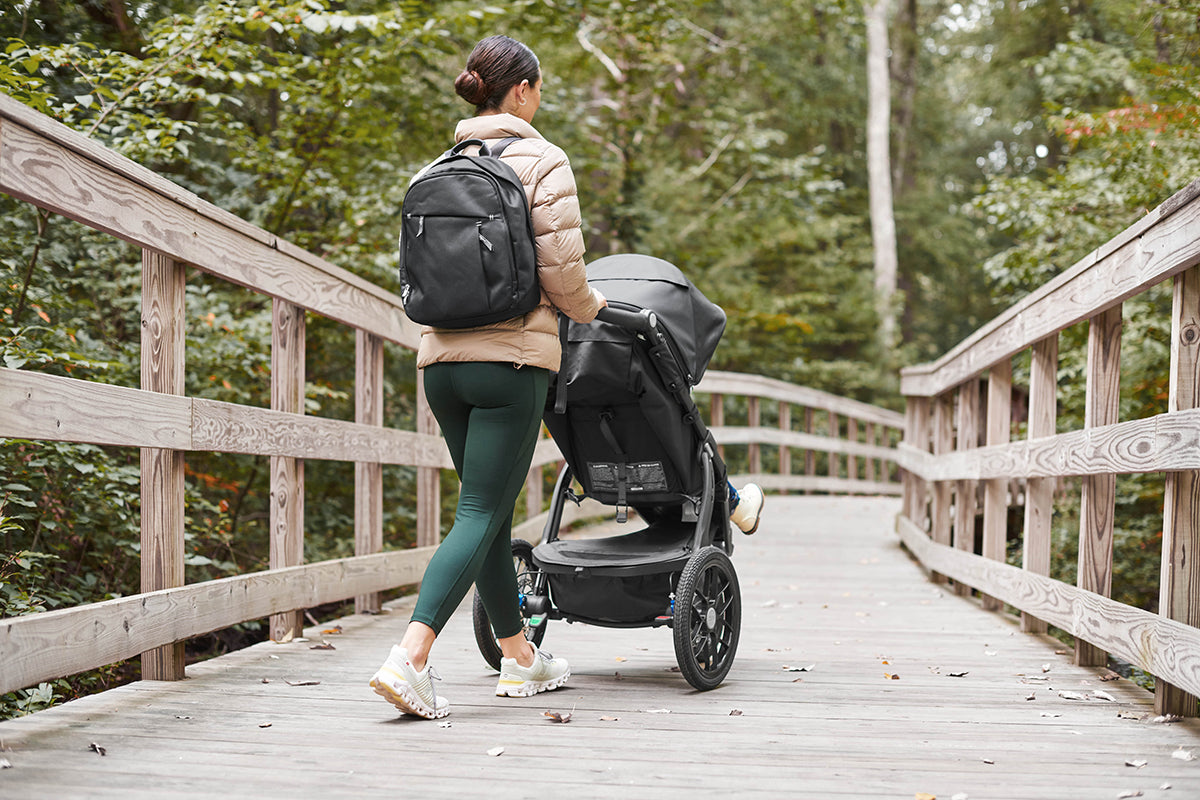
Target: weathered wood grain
(368, 475)
(736, 435)
(99, 190)
(1160, 646)
(966, 438)
(288, 328)
(54, 408)
(1179, 585)
(1158, 246)
(1097, 505)
(163, 365)
(52, 644)
(943, 442)
(995, 491)
(1039, 492)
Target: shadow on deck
(905, 689)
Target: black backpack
(467, 253)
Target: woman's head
(502, 75)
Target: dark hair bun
(472, 88)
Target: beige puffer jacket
(531, 339)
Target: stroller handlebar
(642, 321)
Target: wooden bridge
(862, 672)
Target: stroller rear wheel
(526, 584)
(707, 618)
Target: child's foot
(398, 682)
(546, 673)
(749, 508)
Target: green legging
(489, 413)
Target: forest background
(727, 137)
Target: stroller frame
(674, 573)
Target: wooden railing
(49, 165)
(957, 436)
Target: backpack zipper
(482, 238)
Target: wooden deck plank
(824, 583)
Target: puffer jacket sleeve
(557, 227)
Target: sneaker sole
(518, 688)
(408, 701)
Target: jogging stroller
(621, 411)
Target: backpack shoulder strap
(502, 145)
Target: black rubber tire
(707, 619)
(484, 637)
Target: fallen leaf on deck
(1072, 696)
(323, 646)
(95, 748)
(988, 761)
(958, 674)
(334, 630)
(1045, 667)
(960, 796)
(302, 683)
(182, 716)
(1062, 653)
(770, 604)
(658, 711)
(1165, 718)
(620, 658)
(266, 680)
(797, 680)
(1031, 696)
(1050, 714)
(274, 657)
(1183, 755)
(1099, 695)
(495, 751)
(609, 719)
(1165, 787)
(264, 724)
(737, 712)
(991, 652)
(557, 716)
(1108, 675)
(618, 676)
(1130, 793)
(1136, 763)
(1130, 715)
(5, 763)
(809, 668)
(891, 677)
(924, 796)
(673, 669)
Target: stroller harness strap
(622, 473)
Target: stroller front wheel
(526, 585)
(707, 618)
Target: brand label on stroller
(644, 476)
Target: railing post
(869, 463)
(754, 422)
(916, 434)
(163, 344)
(1039, 492)
(1097, 505)
(1179, 588)
(429, 486)
(810, 455)
(995, 490)
(966, 504)
(785, 452)
(368, 475)
(835, 433)
(288, 328)
(943, 442)
(851, 458)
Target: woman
(487, 388)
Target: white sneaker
(749, 508)
(546, 673)
(398, 682)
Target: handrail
(958, 431)
(45, 163)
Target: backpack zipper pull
(482, 238)
(420, 225)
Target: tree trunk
(883, 223)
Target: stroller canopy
(642, 281)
